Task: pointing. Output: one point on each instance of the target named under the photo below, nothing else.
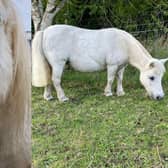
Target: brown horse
(15, 90)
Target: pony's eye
(152, 78)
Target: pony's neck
(139, 61)
(139, 56)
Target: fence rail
(143, 31)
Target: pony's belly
(86, 65)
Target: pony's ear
(164, 60)
(152, 64)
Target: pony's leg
(111, 71)
(56, 77)
(120, 90)
(47, 92)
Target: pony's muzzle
(156, 96)
(159, 97)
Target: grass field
(94, 131)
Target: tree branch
(36, 14)
(51, 10)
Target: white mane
(15, 115)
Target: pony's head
(151, 78)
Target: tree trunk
(42, 19)
(36, 14)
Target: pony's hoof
(48, 98)
(121, 93)
(64, 99)
(108, 94)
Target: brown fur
(15, 115)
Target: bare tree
(43, 18)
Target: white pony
(15, 86)
(89, 51)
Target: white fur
(15, 91)
(6, 69)
(94, 50)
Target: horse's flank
(94, 44)
(15, 116)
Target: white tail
(41, 71)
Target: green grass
(94, 131)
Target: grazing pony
(92, 50)
(15, 91)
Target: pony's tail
(41, 70)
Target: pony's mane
(15, 108)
